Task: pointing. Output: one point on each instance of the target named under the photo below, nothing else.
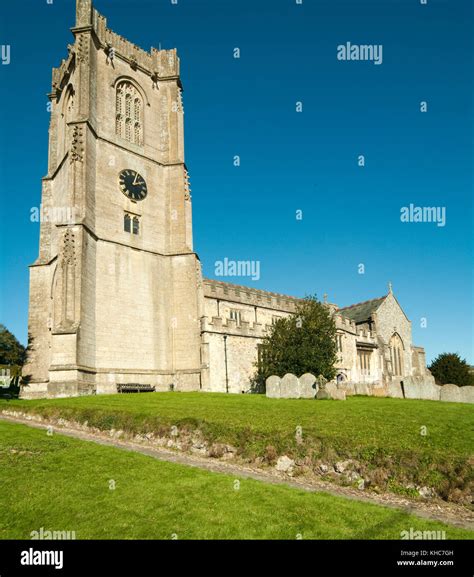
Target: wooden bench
(135, 388)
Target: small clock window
(136, 225)
(131, 224)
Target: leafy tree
(450, 368)
(11, 351)
(304, 342)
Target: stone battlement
(345, 324)
(249, 296)
(230, 327)
(159, 64)
(365, 336)
(163, 63)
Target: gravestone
(466, 394)
(430, 392)
(337, 395)
(379, 390)
(362, 389)
(348, 387)
(289, 387)
(412, 389)
(450, 393)
(308, 386)
(273, 387)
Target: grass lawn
(398, 441)
(63, 484)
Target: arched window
(129, 113)
(127, 223)
(396, 355)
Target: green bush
(450, 368)
(304, 342)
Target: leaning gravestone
(450, 393)
(308, 386)
(289, 387)
(273, 387)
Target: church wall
(241, 356)
(257, 309)
(185, 320)
(128, 323)
(389, 319)
(111, 204)
(39, 328)
(347, 357)
(87, 353)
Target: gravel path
(435, 510)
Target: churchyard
(421, 450)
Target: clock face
(132, 184)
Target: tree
(450, 368)
(304, 342)
(11, 351)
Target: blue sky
(289, 161)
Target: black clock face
(132, 185)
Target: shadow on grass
(398, 517)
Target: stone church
(116, 294)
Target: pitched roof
(361, 312)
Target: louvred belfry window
(129, 113)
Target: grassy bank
(62, 484)
(395, 443)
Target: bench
(135, 388)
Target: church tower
(116, 290)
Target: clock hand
(135, 180)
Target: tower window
(131, 224)
(129, 113)
(136, 225)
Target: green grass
(62, 484)
(385, 435)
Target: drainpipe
(226, 370)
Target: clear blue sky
(289, 161)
